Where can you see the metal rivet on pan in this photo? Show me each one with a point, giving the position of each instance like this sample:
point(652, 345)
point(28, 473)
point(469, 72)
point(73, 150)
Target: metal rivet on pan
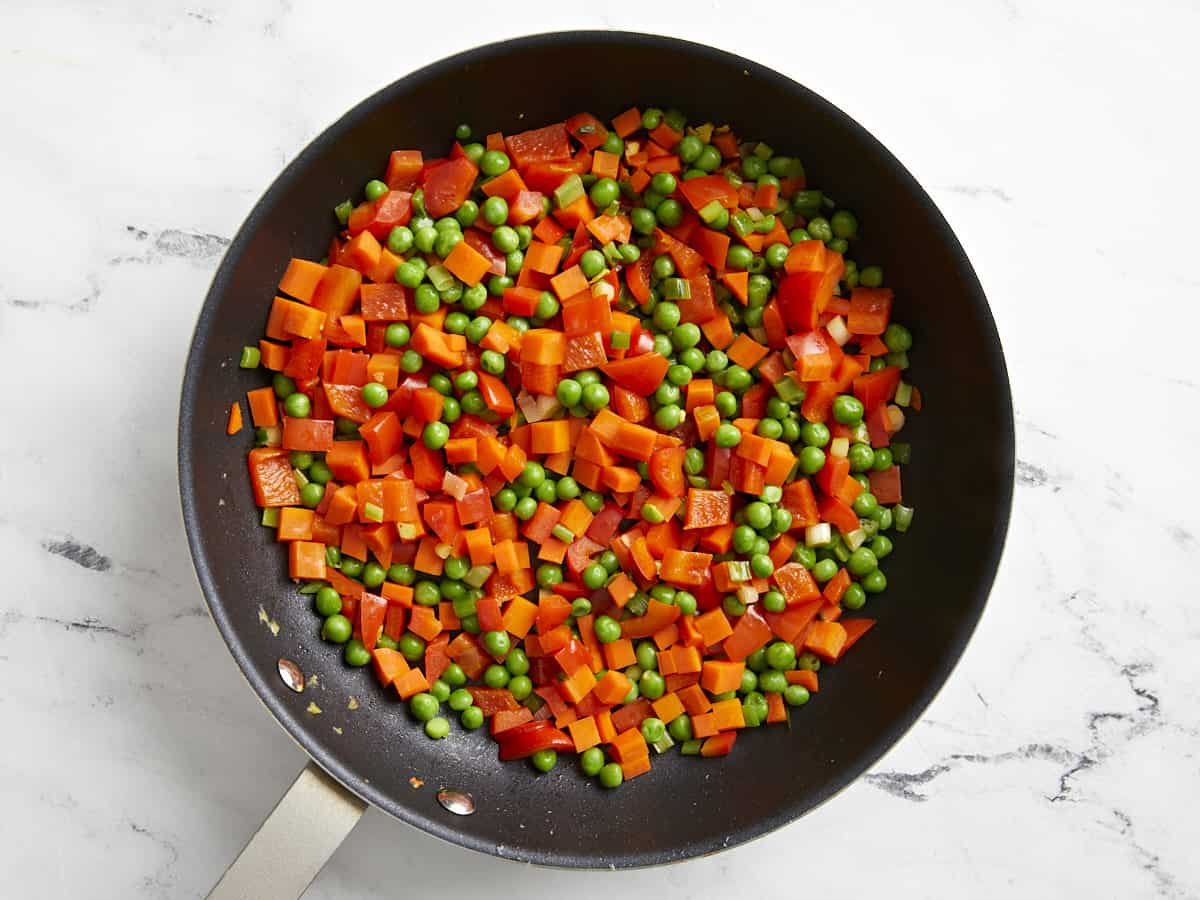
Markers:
point(291, 675)
point(458, 802)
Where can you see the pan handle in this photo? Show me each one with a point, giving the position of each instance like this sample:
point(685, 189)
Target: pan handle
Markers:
point(299, 836)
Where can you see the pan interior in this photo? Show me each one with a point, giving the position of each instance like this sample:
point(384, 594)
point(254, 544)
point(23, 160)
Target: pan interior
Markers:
point(686, 806)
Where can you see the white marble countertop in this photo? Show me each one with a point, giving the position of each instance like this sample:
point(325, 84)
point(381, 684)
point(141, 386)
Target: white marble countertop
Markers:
point(1059, 140)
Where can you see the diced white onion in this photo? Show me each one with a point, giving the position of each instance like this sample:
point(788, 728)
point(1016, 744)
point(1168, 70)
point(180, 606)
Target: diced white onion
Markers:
point(895, 417)
point(454, 486)
point(274, 437)
point(818, 535)
point(838, 331)
point(903, 394)
point(839, 446)
point(755, 213)
point(537, 408)
point(443, 551)
point(478, 575)
point(855, 539)
point(631, 148)
point(759, 334)
point(861, 434)
point(747, 594)
point(407, 531)
point(603, 289)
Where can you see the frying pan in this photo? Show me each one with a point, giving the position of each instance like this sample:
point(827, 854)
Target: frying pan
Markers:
point(940, 574)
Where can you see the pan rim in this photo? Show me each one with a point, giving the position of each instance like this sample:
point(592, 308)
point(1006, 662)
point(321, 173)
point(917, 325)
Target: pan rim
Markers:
point(300, 733)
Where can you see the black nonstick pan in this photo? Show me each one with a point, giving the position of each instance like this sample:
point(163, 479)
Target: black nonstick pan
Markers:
point(960, 480)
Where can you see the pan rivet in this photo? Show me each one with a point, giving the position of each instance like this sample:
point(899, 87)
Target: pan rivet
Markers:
point(458, 802)
point(291, 675)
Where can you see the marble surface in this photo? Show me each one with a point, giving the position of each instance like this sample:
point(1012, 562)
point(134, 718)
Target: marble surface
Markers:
point(1059, 141)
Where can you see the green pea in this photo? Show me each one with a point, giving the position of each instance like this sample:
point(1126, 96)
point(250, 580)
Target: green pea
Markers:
point(757, 661)
point(604, 193)
point(761, 565)
point(495, 211)
point(692, 358)
point(825, 570)
point(669, 213)
point(494, 162)
point(733, 606)
point(643, 220)
point(861, 562)
point(865, 504)
point(737, 378)
point(591, 761)
point(549, 575)
point(820, 228)
point(861, 457)
point(319, 472)
point(854, 597)
point(592, 263)
point(312, 494)
point(808, 661)
point(373, 575)
point(328, 602)
point(611, 775)
point(680, 728)
point(795, 695)
point(607, 629)
point(772, 681)
point(471, 718)
point(812, 460)
point(773, 601)
point(525, 508)
point(669, 417)
point(769, 428)
point(758, 515)
point(709, 159)
point(424, 706)
point(776, 255)
point(496, 676)
point(411, 361)
point(871, 276)
point(727, 435)
point(435, 435)
point(881, 546)
point(781, 655)
point(727, 406)
point(595, 397)
point(898, 338)
point(497, 643)
point(473, 298)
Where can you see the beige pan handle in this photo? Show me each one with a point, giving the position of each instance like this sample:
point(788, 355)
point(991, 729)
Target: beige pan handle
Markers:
point(299, 836)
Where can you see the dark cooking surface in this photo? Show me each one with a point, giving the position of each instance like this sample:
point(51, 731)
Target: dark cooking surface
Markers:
point(940, 573)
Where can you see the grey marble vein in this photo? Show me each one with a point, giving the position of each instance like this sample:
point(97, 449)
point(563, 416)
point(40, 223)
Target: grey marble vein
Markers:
point(81, 554)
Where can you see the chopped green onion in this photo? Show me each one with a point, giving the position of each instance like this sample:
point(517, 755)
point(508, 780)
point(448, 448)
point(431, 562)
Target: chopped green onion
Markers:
point(343, 210)
point(897, 359)
point(477, 576)
point(569, 191)
point(619, 340)
point(663, 744)
point(333, 557)
point(439, 276)
point(855, 539)
point(903, 517)
point(638, 604)
point(373, 511)
point(711, 211)
point(739, 570)
point(676, 289)
point(789, 390)
point(563, 533)
point(698, 481)
point(612, 253)
point(251, 357)
point(270, 517)
point(763, 151)
point(901, 453)
point(311, 587)
point(904, 394)
point(690, 748)
point(742, 224)
point(301, 478)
